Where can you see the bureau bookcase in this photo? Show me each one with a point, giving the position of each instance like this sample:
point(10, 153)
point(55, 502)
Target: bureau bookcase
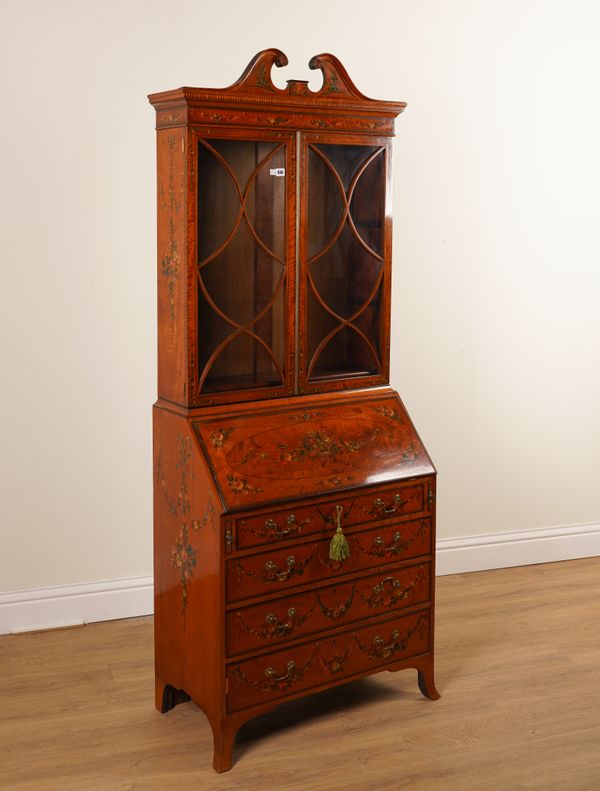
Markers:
point(294, 502)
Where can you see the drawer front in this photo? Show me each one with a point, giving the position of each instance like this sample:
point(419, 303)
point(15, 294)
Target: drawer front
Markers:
point(313, 519)
point(273, 622)
point(291, 670)
point(282, 569)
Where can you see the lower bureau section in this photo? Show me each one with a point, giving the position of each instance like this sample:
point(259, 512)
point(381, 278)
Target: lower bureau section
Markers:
point(322, 661)
point(264, 625)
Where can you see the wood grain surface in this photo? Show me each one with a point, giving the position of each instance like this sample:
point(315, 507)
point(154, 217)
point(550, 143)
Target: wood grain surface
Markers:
point(517, 663)
point(286, 453)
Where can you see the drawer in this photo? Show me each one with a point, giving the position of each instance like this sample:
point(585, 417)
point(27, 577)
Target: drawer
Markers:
point(326, 660)
point(317, 518)
point(275, 621)
point(281, 569)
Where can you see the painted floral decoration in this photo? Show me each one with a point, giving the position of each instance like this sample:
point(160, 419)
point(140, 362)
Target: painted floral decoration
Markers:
point(183, 554)
point(386, 411)
point(241, 485)
point(316, 444)
point(219, 436)
point(411, 453)
point(183, 557)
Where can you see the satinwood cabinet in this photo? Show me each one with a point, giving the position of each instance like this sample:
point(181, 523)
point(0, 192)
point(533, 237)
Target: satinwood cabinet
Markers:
point(294, 501)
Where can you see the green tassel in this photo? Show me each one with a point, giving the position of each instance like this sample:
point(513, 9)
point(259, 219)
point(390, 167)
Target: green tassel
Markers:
point(338, 548)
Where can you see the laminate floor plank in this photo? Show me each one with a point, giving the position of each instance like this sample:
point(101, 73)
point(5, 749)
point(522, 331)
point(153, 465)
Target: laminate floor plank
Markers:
point(518, 667)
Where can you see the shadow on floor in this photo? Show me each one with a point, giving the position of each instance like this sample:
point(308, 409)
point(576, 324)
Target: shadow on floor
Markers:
point(293, 714)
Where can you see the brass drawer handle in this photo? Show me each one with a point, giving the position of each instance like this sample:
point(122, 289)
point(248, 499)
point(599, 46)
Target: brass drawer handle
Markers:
point(272, 573)
point(273, 628)
point(389, 591)
point(272, 529)
point(396, 546)
point(399, 544)
point(272, 680)
point(393, 582)
point(279, 629)
point(379, 506)
point(380, 648)
point(271, 618)
point(275, 531)
point(271, 673)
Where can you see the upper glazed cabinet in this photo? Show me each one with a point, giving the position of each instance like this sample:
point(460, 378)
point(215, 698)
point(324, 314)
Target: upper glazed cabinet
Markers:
point(275, 239)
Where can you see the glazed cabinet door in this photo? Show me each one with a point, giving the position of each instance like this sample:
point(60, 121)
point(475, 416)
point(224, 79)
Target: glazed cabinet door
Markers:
point(244, 213)
point(345, 250)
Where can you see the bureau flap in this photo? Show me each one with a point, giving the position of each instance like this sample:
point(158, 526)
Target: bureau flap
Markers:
point(280, 453)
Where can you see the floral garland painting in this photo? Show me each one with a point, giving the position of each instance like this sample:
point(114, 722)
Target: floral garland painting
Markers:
point(183, 555)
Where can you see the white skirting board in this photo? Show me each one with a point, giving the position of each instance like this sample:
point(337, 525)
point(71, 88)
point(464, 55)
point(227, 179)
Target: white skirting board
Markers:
point(521, 548)
point(70, 605)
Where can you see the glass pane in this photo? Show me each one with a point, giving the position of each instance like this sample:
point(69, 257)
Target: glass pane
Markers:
point(232, 372)
point(241, 263)
point(268, 327)
point(346, 159)
point(369, 320)
point(242, 278)
point(325, 204)
point(265, 205)
point(367, 204)
point(319, 325)
point(213, 329)
point(346, 273)
point(242, 156)
point(218, 203)
point(346, 354)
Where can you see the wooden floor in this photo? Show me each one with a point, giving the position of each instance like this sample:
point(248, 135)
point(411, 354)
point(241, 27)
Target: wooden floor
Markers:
point(518, 668)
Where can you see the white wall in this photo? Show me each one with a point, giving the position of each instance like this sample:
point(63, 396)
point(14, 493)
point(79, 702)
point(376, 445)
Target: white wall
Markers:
point(497, 253)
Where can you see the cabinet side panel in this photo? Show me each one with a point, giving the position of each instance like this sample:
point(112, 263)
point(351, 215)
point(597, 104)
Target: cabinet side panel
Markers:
point(187, 596)
point(172, 271)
